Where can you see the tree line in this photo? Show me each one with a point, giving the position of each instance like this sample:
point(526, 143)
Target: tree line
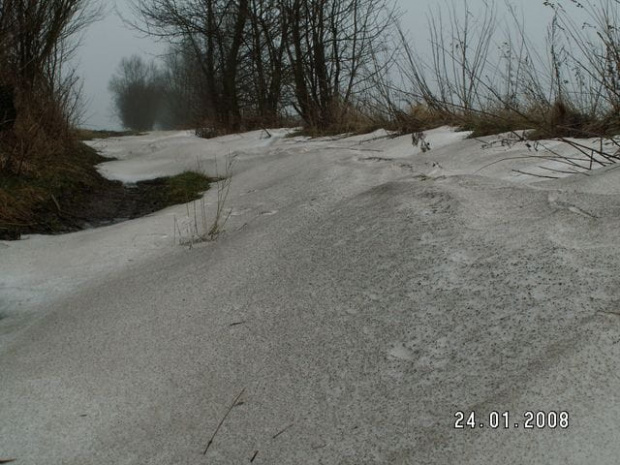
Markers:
point(241, 64)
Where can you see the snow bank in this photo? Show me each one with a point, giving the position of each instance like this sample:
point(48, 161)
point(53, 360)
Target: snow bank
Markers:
point(363, 294)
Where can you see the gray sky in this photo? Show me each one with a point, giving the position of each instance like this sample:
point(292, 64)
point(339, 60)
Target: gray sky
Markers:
point(109, 40)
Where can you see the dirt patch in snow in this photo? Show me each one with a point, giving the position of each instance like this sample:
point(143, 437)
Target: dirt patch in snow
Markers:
point(101, 204)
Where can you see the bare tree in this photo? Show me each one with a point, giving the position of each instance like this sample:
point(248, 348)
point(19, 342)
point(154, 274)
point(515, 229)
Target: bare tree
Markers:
point(36, 40)
point(35, 35)
point(258, 57)
point(215, 31)
point(332, 48)
point(265, 62)
point(138, 92)
point(184, 90)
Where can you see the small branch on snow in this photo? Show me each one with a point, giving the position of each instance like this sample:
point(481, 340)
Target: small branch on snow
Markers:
point(282, 431)
point(232, 406)
point(535, 175)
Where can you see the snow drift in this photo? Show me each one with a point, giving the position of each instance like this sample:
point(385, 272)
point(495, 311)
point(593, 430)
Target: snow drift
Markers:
point(364, 293)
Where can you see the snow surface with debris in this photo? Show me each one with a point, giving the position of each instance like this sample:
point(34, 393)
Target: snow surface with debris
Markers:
point(362, 294)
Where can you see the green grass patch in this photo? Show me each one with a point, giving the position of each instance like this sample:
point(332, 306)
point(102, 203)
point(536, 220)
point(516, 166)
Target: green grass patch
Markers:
point(65, 192)
point(182, 188)
point(186, 187)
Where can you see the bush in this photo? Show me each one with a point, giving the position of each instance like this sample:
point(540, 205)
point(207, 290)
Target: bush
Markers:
point(138, 93)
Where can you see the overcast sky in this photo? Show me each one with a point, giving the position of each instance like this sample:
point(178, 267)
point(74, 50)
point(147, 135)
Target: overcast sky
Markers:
point(109, 40)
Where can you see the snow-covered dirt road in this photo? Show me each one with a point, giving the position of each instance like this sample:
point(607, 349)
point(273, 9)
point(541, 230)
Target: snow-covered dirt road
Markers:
point(362, 295)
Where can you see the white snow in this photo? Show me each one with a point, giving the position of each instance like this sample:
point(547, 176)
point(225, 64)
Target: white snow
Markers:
point(363, 292)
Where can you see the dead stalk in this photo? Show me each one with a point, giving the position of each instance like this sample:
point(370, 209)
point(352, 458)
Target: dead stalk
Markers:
point(223, 188)
point(232, 406)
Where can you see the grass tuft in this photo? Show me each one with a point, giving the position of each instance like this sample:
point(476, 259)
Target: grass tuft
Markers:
point(185, 187)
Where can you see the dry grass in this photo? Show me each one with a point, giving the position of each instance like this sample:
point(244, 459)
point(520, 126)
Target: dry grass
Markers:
point(199, 225)
point(485, 75)
point(41, 165)
point(46, 178)
point(346, 119)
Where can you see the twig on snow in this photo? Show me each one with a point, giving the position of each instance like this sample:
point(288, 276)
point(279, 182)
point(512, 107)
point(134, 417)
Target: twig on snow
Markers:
point(282, 431)
point(232, 406)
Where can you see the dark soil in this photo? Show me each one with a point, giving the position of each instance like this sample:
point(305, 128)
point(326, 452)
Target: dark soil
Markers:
point(88, 200)
point(113, 202)
point(107, 203)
